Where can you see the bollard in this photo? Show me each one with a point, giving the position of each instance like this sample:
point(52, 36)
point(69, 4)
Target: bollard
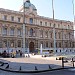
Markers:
point(73, 62)
point(62, 62)
point(36, 68)
point(2, 64)
point(49, 67)
point(20, 68)
point(7, 66)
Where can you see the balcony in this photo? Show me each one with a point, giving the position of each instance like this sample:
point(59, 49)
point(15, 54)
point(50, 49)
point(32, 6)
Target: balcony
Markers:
point(31, 36)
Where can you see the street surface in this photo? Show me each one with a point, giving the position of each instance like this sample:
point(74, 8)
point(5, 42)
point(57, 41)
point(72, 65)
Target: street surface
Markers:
point(60, 72)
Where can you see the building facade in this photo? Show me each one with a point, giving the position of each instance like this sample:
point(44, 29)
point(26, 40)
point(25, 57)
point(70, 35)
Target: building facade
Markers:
point(38, 30)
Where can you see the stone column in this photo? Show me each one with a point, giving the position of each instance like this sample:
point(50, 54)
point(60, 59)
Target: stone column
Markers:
point(8, 31)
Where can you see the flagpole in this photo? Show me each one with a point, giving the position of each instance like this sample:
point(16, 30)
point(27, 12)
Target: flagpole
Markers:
point(73, 18)
point(53, 27)
point(73, 6)
point(24, 25)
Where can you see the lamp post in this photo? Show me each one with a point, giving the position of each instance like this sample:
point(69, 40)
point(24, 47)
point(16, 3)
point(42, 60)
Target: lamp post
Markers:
point(24, 25)
point(53, 27)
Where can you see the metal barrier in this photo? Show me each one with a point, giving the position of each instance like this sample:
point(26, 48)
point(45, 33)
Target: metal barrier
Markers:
point(67, 60)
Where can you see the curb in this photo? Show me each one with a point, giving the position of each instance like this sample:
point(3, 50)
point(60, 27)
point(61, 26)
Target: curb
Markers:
point(34, 71)
point(38, 71)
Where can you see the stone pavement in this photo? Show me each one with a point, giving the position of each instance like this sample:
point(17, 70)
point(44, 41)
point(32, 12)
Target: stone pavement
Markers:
point(32, 63)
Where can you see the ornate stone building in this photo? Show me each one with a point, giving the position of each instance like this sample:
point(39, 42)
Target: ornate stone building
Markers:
point(39, 30)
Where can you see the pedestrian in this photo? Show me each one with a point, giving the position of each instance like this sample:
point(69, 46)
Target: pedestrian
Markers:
point(20, 53)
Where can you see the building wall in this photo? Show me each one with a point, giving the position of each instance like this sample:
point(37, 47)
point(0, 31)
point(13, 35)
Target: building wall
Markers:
point(39, 31)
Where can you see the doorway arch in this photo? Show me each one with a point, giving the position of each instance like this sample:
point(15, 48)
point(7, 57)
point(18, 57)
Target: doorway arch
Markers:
point(31, 47)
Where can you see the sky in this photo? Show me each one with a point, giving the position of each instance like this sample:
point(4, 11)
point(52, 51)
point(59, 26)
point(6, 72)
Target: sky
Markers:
point(63, 9)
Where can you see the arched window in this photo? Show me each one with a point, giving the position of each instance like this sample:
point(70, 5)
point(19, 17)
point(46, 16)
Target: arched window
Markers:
point(31, 32)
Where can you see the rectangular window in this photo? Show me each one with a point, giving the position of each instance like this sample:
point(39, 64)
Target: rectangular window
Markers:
point(66, 44)
point(12, 43)
point(31, 20)
point(19, 32)
point(51, 44)
point(46, 44)
point(56, 44)
point(58, 25)
point(0, 44)
point(68, 27)
point(59, 35)
point(19, 19)
point(54, 25)
point(19, 43)
point(5, 17)
point(56, 35)
point(50, 24)
point(51, 35)
point(12, 31)
point(5, 43)
point(70, 44)
point(45, 23)
point(4, 31)
point(59, 44)
point(46, 34)
point(40, 22)
point(12, 18)
point(41, 33)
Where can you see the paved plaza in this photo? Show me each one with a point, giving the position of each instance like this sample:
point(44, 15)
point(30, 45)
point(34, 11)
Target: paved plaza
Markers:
point(28, 64)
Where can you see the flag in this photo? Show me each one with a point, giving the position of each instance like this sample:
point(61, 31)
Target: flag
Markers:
point(21, 8)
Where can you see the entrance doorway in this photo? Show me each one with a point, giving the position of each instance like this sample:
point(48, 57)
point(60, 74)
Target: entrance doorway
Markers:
point(31, 47)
